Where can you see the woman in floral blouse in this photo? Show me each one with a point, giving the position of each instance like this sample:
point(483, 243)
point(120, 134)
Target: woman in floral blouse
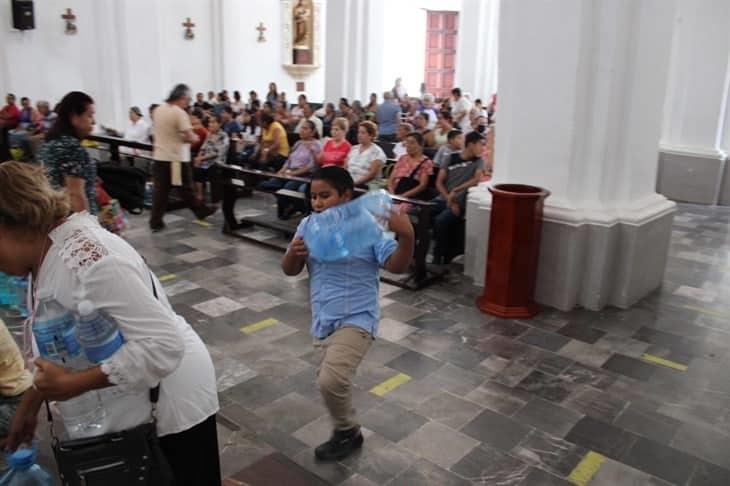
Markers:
point(69, 165)
point(214, 151)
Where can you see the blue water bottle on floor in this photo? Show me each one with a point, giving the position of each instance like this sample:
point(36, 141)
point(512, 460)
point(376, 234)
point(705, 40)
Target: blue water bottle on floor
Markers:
point(24, 471)
point(346, 229)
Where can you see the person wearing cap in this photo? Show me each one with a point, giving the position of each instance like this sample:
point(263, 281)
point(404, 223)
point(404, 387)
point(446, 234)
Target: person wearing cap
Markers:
point(138, 130)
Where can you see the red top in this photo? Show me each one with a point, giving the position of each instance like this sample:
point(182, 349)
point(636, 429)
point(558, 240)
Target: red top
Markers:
point(202, 133)
point(333, 154)
point(10, 116)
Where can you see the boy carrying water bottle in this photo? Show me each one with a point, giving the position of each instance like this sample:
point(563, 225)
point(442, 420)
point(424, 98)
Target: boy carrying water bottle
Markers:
point(345, 307)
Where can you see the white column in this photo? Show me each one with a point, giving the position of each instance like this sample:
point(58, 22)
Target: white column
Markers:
point(478, 43)
point(695, 136)
point(580, 114)
point(354, 48)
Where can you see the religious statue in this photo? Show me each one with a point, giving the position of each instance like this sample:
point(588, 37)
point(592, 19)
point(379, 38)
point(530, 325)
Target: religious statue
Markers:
point(302, 24)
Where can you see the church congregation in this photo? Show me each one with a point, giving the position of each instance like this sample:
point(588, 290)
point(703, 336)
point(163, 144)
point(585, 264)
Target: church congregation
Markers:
point(283, 242)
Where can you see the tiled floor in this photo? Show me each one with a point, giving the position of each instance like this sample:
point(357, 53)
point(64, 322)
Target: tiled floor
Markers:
point(620, 397)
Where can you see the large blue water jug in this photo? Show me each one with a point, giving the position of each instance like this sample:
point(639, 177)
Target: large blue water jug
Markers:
point(349, 228)
point(97, 333)
point(24, 471)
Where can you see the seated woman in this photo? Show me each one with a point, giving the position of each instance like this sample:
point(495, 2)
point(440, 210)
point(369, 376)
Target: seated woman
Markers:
point(282, 114)
point(214, 151)
point(372, 106)
point(411, 173)
point(366, 159)
point(301, 163)
point(250, 133)
point(274, 146)
point(138, 130)
point(73, 256)
point(329, 115)
point(420, 125)
point(399, 149)
point(336, 149)
point(439, 135)
point(198, 119)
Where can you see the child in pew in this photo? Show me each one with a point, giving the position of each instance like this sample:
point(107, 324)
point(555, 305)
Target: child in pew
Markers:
point(345, 308)
point(301, 162)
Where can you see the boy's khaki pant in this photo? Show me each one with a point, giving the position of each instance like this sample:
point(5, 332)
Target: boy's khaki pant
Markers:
point(340, 354)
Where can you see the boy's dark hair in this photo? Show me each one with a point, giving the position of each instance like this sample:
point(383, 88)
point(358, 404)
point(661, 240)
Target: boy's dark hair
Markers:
point(336, 177)
point(472, 137)
point(453, 134)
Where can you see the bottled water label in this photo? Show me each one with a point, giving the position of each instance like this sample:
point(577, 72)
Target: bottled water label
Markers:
point(96, 353)
point(56, 338)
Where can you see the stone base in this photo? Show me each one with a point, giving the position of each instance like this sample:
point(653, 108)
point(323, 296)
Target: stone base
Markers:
point(693, 176)
point(586, 260)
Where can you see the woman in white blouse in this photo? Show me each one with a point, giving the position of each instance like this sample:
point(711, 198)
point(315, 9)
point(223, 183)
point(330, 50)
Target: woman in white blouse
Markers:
point(365, 159)
point(73, 256)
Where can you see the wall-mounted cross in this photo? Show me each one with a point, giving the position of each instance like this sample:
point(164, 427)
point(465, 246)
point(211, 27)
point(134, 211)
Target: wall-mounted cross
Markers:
point(69, 17)
point(189, 34)
point(261, 30)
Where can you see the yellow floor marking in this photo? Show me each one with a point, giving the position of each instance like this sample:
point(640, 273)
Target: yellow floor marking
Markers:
point(650, 358)
point(586, 469)
point(707, 311)
point(390, 384)
point(167, 277)
point(257, 326)
point(202, 223)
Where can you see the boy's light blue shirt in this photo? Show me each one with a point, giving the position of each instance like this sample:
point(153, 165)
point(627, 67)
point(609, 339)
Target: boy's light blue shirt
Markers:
point(346, 292)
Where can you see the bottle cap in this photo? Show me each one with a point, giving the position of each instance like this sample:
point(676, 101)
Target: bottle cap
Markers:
point(22, 458)
point(85, 308)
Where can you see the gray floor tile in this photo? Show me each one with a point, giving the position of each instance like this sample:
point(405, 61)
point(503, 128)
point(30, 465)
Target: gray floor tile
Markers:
point(414, 364)
point(496, 430)
point(392, 421)
point(449, 410)
point(486, 465)
point(424, 473)
point(548, 417)
point(549, 453)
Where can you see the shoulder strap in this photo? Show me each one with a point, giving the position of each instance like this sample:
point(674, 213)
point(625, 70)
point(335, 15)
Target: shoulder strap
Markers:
point(418, 167)
point(154, 392)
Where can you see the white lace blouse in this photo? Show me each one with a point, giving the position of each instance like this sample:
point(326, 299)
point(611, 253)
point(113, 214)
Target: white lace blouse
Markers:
point(159, 345)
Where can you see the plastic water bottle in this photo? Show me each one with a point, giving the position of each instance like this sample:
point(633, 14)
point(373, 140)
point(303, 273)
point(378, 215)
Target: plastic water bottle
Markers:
point(24, 471)
point(20, 290)
point(55, 334)
point(5, 293)
point(98, 334)
point(346, 229)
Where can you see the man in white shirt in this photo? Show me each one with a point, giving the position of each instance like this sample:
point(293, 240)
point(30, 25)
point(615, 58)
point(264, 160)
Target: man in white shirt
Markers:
point(308, 114)
point(460, 109)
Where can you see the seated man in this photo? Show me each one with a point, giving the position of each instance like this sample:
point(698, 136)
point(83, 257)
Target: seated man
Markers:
point(460, 172)
point(15, 379)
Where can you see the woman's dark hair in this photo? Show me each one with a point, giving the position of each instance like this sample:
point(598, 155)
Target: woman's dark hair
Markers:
point(74, 103)
point(417, 137)
point(337, 177)
point(266, 119)
point(252, 120)
point(312, 127)
point(269, 105)
point(237, 95)
point(446, 115)
point(343, 101)
point(453, 134)
point(179, 91)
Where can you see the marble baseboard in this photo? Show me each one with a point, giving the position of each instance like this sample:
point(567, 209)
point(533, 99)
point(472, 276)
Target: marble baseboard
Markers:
point(584, 265)
point(694, 178)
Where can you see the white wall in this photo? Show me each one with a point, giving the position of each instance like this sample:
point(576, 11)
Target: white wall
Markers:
point(478, 46)
point(405, 36)
point(132, 52)
point(252, 65)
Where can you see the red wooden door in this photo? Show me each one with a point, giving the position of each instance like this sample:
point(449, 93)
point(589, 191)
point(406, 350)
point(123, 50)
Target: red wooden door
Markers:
point(441, 31)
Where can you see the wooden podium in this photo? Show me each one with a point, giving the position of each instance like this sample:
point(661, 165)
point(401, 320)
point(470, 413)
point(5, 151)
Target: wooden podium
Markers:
point(514, 245)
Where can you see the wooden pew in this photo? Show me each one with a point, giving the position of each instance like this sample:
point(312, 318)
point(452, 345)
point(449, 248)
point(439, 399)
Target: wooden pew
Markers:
point(238, 182)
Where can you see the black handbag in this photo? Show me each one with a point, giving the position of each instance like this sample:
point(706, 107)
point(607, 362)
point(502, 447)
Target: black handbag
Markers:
point(409, 182)
point(126, 458)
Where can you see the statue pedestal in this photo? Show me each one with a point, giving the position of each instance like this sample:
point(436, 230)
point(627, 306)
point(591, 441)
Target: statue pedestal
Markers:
point(303, 56)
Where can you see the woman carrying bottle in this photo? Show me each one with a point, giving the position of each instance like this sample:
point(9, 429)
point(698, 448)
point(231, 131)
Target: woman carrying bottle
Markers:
point(74, 256)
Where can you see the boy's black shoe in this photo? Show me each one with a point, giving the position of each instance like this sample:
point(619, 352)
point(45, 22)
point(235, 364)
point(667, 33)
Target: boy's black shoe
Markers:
point(341, 444)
